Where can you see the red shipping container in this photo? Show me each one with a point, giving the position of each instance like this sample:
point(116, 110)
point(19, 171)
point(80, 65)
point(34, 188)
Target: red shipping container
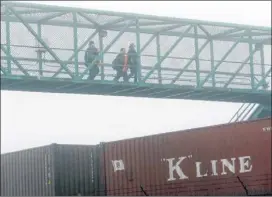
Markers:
point(219, 160)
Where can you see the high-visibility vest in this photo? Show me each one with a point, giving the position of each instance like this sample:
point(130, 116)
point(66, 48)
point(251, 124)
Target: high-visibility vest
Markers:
point(125, 66)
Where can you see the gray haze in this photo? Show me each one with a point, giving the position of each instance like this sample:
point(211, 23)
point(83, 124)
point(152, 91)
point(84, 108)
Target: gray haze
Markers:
point(34, 119)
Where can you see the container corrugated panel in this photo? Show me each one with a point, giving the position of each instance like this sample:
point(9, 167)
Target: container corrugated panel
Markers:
point(55, 170)
point(216, 160)
point(27, 173)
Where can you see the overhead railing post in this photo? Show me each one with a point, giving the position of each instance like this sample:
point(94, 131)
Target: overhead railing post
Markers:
point(212, 64)
point(197, 57)
point(138, 45)
point(159, 57)
point(101, 47)
point(75, 43)
point(262, 63)
point(8, 42)
point(251, 63)
point(39, 52)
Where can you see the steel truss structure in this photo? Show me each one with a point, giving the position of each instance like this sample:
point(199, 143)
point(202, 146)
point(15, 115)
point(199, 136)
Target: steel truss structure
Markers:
point(42, 49)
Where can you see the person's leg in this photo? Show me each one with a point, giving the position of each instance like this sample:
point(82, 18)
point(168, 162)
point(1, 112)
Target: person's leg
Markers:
point(96, 70)
point(93, 72)
point(118, 74)
point(135, 76)
point(131, 74)
point(89, 71)
point(125, 77)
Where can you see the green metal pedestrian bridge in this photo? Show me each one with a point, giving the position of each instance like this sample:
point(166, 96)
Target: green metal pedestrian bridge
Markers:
point(42, 50)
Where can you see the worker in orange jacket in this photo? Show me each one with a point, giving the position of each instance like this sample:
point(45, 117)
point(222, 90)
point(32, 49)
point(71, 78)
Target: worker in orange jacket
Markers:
point(120, 64)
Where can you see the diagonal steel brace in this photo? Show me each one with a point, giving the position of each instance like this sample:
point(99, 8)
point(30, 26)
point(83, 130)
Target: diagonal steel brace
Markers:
point(167, 53)
point(15, 61)
point(189, 63)
point(262, 80)
point(148, 42)
point(4, 71)
point(220, 62)
point(41, 41)
point(239, 69)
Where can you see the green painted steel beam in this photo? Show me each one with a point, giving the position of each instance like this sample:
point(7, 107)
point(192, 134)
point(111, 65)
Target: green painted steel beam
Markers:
point(239, 69)
point(144, 67)
point(251, 64)
point(4, 71)
point(52, 16)
point(204, 30)
point(189, 63)
point(148, 42)
point(101, 48)
point(219, 63)
point(158, 23)
point(89, 19)
point(166, 54)
point(158, 46)
point(114, 22)
point(117, 37)
point(41, 41)
point(212, 65)
point(261, 82)
point(172, 27)
point(262, 63)
point(142, 30)
point(227, 32)
point(248, 110)
point(139, 51)
point(256, 112)
point(8, 43)
point(39, 31)
point(75, 36)
point(33, 60)
point(15, 61)
point(250, 34)
point(84, 44)
point(51, 8)
point(30, 12)
point(197, 58)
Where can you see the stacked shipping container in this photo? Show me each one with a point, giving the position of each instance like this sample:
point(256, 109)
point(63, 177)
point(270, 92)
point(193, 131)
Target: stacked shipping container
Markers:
point(203, 161)
point(54, 170)
point(216, 160)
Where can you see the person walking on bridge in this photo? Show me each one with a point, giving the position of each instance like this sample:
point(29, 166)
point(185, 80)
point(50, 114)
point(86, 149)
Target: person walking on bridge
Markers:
point(90, 58)
point(120, 64)
point(132, 62)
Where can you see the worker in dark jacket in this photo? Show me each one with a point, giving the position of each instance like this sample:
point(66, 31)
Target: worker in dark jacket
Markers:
point(120, 64)
point(132, 62)
point(91, 58)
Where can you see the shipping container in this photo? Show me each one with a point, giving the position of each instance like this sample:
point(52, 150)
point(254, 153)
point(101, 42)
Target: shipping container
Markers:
point(230, 159)
point(54, 170)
